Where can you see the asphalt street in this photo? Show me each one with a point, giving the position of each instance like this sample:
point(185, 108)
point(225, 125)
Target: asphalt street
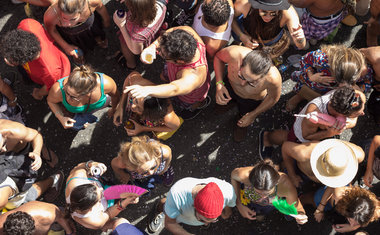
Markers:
point(202, 147)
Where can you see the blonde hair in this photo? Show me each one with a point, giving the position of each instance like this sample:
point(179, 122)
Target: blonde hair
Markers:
point(345, 63)
point(71, 6)
point(140, 150)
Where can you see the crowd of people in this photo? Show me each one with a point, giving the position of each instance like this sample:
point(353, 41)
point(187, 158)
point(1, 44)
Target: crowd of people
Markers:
point(244, 41)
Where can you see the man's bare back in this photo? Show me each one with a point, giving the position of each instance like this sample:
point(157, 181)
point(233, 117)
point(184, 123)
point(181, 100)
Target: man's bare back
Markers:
point(320, 8)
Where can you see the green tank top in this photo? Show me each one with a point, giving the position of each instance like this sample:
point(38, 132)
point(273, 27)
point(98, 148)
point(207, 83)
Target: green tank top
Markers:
point(81, 109)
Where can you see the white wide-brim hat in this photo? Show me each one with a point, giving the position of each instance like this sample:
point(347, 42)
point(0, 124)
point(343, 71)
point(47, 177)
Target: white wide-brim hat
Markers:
point(334, 163)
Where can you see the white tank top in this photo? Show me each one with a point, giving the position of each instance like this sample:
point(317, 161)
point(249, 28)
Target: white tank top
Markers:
point(321, 103)
point(204, 32)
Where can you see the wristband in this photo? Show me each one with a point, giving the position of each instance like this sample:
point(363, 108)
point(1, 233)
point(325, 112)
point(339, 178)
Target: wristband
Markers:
point(119, 206)
point(220, 82)
point(322, 204)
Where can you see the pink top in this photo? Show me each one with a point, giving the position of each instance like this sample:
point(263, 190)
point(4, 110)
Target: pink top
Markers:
point(200, 93)
point(147, 34)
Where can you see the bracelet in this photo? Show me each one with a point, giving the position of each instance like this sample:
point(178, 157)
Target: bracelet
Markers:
point(13, 101)
point(87, 166)
point(119, 206)
point(322, 204)
point(220, 82)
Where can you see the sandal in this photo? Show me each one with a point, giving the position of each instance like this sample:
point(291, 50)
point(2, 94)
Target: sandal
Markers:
point(123, 62)
point(54, 191)
point(49, 156)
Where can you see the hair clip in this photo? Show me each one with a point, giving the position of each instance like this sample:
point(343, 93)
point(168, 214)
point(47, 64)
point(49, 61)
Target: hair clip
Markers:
point(355, 100)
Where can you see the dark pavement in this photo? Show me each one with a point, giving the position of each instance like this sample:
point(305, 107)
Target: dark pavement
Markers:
point(202, 147)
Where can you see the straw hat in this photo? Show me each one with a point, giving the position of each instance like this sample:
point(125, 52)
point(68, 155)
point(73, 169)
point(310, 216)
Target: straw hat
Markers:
point(270, 5)
point(333, 163)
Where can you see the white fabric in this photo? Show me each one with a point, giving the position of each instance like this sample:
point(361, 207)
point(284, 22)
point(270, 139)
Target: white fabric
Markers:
point(204, 32)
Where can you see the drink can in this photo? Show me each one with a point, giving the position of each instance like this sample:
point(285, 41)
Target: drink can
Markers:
point(120, 13)
point(129, 125)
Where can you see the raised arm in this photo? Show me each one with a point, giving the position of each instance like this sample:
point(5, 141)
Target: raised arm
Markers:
point(102, 10)
point(294, 27)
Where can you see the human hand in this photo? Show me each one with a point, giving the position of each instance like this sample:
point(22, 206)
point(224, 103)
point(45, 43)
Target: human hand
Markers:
point(148, 55)
point(36, 94)
point(120, 22)
point(331, 131)
point(301, 219)
point(246, 120)
point(137, 129)
point(298, 34)
point(295, 179)
point(318, 216)
point(71, 51)
point(370, 21)
point(246, 212)
point(368, 177)
point(321, 78)
point(67, 122)
point(99, 165)
point(137, 91)
point(248, 41)
point(343, 228)
point(36, 164)
point(132, 199)
point(222, 96)
point(118, 116)
point(12, 103)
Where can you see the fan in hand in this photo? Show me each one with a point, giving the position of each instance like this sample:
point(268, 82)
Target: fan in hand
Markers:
point(123, 191)
point(282, 206)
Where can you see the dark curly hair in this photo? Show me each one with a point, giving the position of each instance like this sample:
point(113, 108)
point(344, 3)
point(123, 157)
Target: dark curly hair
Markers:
point(346, 100)
point(216, 12)
point(19, 46)
point(259, 62)
point(19, 223)
point(179, 45)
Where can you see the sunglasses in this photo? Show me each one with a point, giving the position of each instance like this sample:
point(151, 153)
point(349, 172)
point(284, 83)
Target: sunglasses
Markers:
point(270, 13)
point(252, 84)
point(76, 98)
point(151, 169)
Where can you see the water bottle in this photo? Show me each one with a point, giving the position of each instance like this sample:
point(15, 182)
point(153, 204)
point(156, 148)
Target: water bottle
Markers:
point(120, 13)
point(79, 52)
point(96, 171)
point(283, 67)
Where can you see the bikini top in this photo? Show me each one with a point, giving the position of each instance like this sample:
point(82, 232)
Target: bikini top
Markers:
point(84, 108)
point(250, 193)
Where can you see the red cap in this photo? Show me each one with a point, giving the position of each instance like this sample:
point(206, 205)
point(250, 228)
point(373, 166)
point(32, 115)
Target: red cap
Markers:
point(209, 201)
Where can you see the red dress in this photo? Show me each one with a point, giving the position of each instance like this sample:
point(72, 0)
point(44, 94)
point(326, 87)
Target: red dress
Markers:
point(52, 63)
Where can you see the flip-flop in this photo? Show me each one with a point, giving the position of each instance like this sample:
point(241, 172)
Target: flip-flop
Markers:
point(53, 192)
point(49, 156)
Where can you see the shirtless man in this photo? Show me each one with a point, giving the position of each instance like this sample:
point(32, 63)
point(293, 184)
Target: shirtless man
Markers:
point(21, 145)
point(320, 17)
point(302, 152)
point(253, 82)
point(187, 71)
point(373, 28)
point(33, 218)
